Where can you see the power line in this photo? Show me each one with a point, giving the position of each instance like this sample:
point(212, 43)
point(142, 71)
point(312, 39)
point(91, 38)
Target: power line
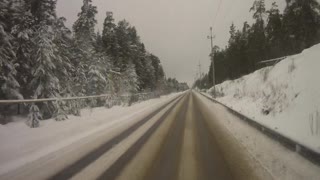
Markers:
point(212, 62)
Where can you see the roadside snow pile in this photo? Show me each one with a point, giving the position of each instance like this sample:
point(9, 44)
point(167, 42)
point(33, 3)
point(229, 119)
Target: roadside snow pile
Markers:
point(285, 97)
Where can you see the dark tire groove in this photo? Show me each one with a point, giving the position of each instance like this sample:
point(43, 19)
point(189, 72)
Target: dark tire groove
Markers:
point(83, 162)
point(212, 163)
point(116, 168)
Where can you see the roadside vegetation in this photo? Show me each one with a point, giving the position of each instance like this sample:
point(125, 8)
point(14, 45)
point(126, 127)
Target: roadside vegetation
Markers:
point(41, 58)
point(273, 34)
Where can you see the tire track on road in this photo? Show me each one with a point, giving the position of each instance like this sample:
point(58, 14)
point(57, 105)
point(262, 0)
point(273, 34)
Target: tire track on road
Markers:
point(114, 171)
point(240, 162)
point(166, 164)
point(210, 157)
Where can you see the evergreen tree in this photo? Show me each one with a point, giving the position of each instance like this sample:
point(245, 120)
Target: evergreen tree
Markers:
point(97, 75)
point(23, 32)
point(109, 35)
point(274, 32)
point(84, 26)
point(297, 29)
point(301, 21)
point(257, 38)
point(148, 78)
point(129, 80)
point(40, 58)
point(246, 65)
point(123, 44)
point(44, 11)
point(47, 63)
point(8, 83)
point(45, 81)
point(84, 36)
point(99, 43)
point(63, 40)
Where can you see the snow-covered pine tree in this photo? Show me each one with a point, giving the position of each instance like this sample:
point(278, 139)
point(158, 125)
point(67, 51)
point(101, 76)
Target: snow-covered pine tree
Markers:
point(84, 26)
point(97, 81)
point(9, 86)
point(23, 31)
point(95, 61)
point(137, 54)
point(123, 45)
point(78, 77)
point(129, 83)
point(47, 66)
point(34, 116)
point(63, 39)
point(45, 81)
point(8, 83)
point(129, 80)
point(158, 71)
point(149, 73)
point(99, 43)
point(103, 59)
point(109, 37)
point(84, 37)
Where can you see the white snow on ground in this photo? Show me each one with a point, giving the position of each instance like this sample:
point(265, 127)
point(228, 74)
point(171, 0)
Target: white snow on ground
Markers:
point(285, 97)
point(281, 163)
point(21, 144)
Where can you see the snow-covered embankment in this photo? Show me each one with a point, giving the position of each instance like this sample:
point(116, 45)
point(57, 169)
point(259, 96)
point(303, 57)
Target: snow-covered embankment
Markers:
point(284, 97)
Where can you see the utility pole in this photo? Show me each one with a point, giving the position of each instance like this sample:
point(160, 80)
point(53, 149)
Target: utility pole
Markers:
point(213, 71)
point(199, 74)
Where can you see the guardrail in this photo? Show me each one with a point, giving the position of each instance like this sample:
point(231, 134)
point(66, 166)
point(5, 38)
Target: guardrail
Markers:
point(276, 60)
point(291, 144)
point(50, 99)
point(14, 107)
point(71, 98)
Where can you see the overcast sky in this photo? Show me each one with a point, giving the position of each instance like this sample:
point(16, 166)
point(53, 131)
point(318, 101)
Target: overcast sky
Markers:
point(174, 30)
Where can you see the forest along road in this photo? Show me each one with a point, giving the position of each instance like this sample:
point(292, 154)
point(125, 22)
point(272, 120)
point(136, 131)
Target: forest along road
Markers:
point(180, 140)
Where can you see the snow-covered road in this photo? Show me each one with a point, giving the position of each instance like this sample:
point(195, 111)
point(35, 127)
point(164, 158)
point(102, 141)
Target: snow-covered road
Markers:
point(181, 136)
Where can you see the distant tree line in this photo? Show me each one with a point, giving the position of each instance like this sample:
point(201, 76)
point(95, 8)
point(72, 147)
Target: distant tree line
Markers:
point(174, 85)
point(272, 35)
point(41, 58)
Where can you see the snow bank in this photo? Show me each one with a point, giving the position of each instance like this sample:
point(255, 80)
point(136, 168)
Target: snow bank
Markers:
point(285, 97)
point(21, 144)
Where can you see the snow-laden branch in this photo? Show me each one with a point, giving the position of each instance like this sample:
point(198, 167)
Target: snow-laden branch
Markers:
point(115, 72)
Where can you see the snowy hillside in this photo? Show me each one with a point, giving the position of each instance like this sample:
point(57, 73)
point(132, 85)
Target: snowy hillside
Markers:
point(284, 97)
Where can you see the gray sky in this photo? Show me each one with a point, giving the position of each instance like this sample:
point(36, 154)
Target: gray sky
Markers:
point(174, 30)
